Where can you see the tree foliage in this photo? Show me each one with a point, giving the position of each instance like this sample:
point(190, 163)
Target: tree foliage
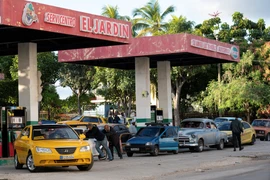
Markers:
point(79, 78)
point(150, 20)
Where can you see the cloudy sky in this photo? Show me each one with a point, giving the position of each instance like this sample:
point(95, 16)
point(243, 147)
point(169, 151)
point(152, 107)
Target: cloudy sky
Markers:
point(193, 10)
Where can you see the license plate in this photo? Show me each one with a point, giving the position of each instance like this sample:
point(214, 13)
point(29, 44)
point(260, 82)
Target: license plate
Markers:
point(67, 157)
point(134, 149)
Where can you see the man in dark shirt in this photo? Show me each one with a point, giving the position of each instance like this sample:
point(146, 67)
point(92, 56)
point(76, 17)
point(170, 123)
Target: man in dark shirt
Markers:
point(113, 139)
point(237, 129)
point(94, 132)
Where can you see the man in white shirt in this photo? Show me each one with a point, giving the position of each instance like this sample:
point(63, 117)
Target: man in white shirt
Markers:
point(133, 128)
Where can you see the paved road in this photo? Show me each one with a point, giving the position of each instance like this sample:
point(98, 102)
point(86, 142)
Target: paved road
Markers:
point(164, 166)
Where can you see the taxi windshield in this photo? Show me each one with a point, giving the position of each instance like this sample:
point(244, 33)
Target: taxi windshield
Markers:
point(53, 132)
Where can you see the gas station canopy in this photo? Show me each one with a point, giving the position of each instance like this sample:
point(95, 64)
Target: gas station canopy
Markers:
point(179, 49)
point(54, 28)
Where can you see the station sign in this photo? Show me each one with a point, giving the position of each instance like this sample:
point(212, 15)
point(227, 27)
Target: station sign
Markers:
point(41, 17)
point(232, 51)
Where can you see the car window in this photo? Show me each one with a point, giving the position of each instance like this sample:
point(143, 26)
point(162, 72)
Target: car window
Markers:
point(149, 132)
point(90, 119)
point(208, 125)
point(170, 132)
point(192, 124)
point(54, 132)
point(116, 128)
point(25, 132)
point(121, 127)
point(262, 123)
point(213, 125)
point(76, 118)
point(219, 120)
point(99, 120)
point(245, 125)
point(225, 127)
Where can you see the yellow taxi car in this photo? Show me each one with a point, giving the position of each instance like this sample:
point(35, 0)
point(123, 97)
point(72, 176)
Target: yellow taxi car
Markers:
point(83, 120)
point(248, 137)
point(51, 145)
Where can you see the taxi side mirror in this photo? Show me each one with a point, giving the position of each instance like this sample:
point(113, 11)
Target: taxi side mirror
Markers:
point(82, 136)
point(25, 138)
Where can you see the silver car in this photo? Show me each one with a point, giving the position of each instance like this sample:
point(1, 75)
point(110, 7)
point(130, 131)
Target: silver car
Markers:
point(197, 133)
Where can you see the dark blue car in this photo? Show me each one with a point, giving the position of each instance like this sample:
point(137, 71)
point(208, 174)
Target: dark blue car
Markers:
point(153, 139)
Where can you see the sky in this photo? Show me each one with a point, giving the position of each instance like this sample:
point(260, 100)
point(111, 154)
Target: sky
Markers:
point(193, 10)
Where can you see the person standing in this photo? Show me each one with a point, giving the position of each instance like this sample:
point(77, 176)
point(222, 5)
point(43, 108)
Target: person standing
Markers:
point(237, 129)
point(132, 128)
point(94, 132)
point(113, 139)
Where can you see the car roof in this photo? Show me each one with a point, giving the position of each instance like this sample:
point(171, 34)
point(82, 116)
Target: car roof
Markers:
point(49, 125)
point(262, 119)
point(227, 118)
point(198, 119)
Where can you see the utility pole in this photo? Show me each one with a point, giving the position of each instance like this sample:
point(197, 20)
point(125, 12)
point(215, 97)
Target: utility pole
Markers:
point(214, 15)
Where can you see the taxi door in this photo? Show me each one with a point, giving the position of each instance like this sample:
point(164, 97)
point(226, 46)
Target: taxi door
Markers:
point(247, 135)
point(21, 145)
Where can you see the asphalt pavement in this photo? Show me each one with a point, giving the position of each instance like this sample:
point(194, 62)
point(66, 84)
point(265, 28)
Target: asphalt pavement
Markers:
point(192, 165)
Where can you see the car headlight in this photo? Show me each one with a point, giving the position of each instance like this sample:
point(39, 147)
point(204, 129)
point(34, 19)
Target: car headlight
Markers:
point(85, 148)
point(127, 144)
point(43, 150)
point(149, 144)
point(193, 136)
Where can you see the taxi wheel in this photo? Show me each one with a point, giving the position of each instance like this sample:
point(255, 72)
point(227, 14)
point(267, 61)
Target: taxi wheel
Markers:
point(17, 164)
point(30, 163)
point(253, 140)
point(87, 167)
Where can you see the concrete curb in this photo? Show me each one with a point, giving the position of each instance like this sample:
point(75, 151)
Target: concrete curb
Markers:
point(6, 161)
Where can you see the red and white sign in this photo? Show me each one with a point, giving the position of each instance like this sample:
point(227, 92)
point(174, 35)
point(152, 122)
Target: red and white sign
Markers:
point(60, 19)
point(210, 47)
point(42, 17)
point(99, 26)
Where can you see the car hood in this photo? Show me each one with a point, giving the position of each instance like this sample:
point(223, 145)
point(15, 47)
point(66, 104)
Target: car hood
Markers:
point(140, 140)
point(229, 133)
point(261, 128)
point(60, 143)
point(189, 131)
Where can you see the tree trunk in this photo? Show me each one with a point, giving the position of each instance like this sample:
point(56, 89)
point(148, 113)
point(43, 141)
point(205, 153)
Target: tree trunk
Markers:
point(176, 106)
point(79, 104)
point(49, 114)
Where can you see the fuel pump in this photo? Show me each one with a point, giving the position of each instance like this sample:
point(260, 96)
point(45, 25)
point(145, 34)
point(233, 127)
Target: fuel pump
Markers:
point(13, 120)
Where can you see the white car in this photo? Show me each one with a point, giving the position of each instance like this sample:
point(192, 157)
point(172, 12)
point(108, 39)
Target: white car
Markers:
point(92, 142)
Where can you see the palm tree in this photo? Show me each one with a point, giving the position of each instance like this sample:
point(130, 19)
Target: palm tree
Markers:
point(150, 20)
point(112, 12)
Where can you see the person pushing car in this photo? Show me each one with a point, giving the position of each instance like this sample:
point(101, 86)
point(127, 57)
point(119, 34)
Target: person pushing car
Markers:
point(113, 139)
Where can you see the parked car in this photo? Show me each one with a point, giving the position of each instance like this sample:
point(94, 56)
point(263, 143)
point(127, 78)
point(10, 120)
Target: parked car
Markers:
point(153, 139)
point(248, 137)
point(83, 120)
point(197, 133)
point(51, 145)
point(219, 120)
point(262, 128)
point(92, 142)
point(122, 131)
